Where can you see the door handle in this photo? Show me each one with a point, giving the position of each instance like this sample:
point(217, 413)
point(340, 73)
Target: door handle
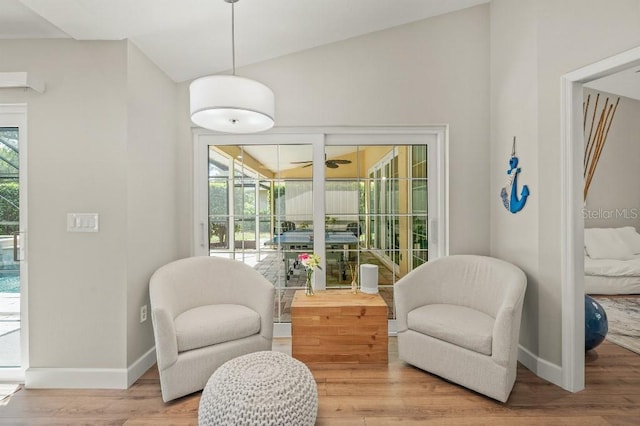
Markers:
point(15, 246)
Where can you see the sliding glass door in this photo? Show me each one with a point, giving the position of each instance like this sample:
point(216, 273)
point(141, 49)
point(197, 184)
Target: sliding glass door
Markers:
point(369, 196)
point(13, 333)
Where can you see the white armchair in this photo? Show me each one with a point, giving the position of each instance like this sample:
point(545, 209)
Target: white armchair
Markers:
point(206, 311)
point(459, 318)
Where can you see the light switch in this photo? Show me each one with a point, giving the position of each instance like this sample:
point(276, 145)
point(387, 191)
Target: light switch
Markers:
point(82, 222)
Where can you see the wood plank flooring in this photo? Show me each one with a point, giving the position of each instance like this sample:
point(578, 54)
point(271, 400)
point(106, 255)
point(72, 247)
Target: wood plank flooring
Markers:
point(368, 395)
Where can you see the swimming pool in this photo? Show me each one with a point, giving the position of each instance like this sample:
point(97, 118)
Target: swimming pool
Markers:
point(9, 283)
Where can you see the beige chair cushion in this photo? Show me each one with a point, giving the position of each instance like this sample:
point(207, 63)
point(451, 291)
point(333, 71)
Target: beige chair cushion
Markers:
point(212, 324)
point(457, 325)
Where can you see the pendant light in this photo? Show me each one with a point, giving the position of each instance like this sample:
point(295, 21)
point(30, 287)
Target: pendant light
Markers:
point(229, 103)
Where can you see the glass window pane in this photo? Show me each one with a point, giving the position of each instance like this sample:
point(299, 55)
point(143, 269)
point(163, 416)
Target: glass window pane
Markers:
point(257, 194)
point(218, 164)
point(376, 211)
point(9, 188)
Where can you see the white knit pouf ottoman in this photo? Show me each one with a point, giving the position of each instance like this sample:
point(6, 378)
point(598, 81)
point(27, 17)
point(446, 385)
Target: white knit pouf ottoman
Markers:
point(261, 388)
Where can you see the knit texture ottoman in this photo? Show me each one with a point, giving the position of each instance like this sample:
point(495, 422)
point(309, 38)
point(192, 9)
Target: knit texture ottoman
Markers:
point(261, 388)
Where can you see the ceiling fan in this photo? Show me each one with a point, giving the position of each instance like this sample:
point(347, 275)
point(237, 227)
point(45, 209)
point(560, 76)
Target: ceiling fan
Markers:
point(332, 164)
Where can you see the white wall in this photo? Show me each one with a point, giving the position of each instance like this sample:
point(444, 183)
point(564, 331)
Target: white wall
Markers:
point(96, 144)
point(514, 102)
point(152, 187)
point(77, 163)
point(429, 72)
point(184, 178)
point(614, 195)
point(554, 38)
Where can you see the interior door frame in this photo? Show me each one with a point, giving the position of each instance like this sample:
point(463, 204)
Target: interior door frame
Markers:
point(572, 225)
point(15, 115)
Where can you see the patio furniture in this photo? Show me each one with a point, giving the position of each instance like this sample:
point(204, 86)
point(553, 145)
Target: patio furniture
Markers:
point(287, 226)
point(260, 389)
point(292, 243)
point(206, 311)
point(355, 229)
point(459, 317)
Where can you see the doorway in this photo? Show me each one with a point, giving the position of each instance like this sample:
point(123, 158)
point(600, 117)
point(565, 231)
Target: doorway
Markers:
point(572, 157)
point(13, 286)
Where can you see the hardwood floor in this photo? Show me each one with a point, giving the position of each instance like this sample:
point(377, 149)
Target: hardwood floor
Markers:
point(363, 395)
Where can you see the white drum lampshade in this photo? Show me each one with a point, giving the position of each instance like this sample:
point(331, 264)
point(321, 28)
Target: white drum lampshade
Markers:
point(231, 104)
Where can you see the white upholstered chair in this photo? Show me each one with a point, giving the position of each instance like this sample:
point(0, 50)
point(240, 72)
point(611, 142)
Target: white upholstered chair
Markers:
point(206, 311)
point(459, 318)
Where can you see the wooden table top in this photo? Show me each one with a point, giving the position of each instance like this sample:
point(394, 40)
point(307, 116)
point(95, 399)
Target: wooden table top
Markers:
point(337, 298)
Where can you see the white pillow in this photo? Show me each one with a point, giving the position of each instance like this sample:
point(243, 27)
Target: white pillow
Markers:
point(606, 243)
point(631, 238)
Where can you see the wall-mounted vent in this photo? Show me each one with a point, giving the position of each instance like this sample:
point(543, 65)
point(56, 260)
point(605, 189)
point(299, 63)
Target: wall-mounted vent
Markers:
point(21, 79)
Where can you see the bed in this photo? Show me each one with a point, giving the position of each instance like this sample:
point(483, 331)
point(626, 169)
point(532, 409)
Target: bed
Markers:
point(612, 261)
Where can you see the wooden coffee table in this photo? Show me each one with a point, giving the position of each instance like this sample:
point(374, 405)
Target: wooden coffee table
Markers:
point(338, 326)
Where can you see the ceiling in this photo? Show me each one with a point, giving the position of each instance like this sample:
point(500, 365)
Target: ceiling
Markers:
point(286, 158)
point(191, 38)
point(624, 83)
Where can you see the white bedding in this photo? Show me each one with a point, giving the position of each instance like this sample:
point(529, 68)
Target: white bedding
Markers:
point(611, 276)
point(612, 267)
point(612, 261)
point(611, 285)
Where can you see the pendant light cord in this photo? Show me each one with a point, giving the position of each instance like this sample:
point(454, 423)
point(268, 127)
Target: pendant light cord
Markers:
point(233, 38)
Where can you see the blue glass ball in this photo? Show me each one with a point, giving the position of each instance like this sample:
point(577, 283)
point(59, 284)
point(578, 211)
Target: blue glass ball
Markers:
point(596, 324)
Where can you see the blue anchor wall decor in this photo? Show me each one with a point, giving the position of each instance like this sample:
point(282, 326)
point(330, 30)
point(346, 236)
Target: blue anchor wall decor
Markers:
point(509, 193)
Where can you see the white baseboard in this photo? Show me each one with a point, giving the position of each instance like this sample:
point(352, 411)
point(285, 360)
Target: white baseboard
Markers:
point(89, 378)
point(540, 367)
point(141, 366)
point(76, 378)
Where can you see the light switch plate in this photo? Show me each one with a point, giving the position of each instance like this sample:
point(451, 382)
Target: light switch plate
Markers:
point(82, 222)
